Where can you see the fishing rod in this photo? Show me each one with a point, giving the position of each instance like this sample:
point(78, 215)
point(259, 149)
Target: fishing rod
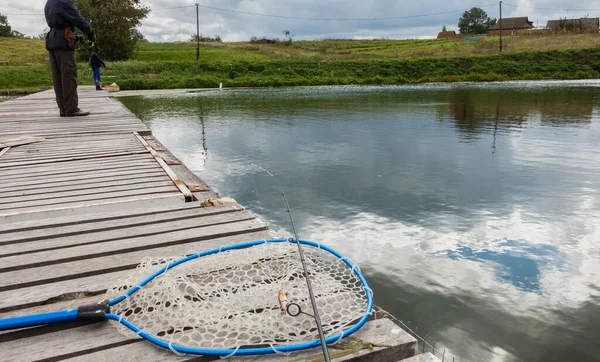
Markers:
point(300, 252)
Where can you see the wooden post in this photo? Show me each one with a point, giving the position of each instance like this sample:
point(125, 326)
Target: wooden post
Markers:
point(500, 26)
point(197, 34)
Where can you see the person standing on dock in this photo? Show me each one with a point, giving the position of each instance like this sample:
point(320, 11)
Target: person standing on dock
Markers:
point(62, 17)
point(96, 63)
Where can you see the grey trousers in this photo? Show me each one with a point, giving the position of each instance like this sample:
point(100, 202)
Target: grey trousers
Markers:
point(64, 77)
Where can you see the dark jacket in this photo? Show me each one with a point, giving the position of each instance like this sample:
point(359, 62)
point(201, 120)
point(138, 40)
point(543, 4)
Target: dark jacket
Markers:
point(95, 61)
point(60, 15)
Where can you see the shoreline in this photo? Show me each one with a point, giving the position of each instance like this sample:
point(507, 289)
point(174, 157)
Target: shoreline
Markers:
point(160, 92)
point(574, 64)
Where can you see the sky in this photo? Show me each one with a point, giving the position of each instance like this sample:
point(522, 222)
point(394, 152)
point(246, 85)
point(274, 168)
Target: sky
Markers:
point(405, 19)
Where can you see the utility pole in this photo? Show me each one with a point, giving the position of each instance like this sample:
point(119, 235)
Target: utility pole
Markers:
point(500, 26)
point(198, 33)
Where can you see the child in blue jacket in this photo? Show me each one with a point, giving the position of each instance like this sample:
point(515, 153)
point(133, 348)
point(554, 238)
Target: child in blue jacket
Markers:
point(96, 63)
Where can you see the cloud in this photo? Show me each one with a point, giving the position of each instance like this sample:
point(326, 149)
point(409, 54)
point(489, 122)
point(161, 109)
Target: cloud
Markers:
point(178, 24)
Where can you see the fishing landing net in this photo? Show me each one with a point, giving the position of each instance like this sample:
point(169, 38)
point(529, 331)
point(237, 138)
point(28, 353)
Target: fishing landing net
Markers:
point(249, 299)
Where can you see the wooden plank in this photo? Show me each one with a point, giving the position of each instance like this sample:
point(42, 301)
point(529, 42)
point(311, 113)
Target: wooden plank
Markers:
point(63, 124)
point(76, 131)
point(83, 178)
point(86, 198)
point(52, 145)
point(43, 194)
point(53, 127)
point(35, 295)
point(118, 260)
point(83, 149)
point(66, 186)
point(3, 151)
point(65, 155)
point(53, 157)
point(55, 144)
point(378, 340)
point(111, 241)
point(23, 232)
point(65, 169)
point(95, 164)
point(17, 141)
point(127, 203)
point(73, 217)
point(180, 184)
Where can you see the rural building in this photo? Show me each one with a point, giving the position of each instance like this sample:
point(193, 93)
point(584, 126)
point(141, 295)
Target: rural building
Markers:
point(448, 35)
point(582, 25)
point(511, 26)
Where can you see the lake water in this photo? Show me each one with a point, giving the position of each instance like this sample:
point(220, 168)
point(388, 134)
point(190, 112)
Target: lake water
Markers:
point(472, 209)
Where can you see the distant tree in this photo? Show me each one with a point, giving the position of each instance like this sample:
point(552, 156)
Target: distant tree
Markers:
point(205, 39)
point(115, 24)
point(444, 28)
point(5, 28)
point(288, 36)
point(475, 21)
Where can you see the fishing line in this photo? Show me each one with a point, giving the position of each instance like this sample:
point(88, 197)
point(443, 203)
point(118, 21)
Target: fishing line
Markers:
point(301, 253)
point(257, 196)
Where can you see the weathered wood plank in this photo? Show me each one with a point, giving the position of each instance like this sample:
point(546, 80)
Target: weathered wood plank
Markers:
point(55, 170)
point(75, 131)
point(66, 155)
point(92, 164)
point(35, 295)
point(31, 158)
point(180, 184)
point(82, 177)
point(66, 186)
point(17, 141)
point(99, 223)
point(75, 217)
point(66, 159)
point(118, 260)
point(108, 188)
point(86, 198)
point(383, 337)
point(111, 242)
point(50, 144)
point(91, 144)
point(126, 203)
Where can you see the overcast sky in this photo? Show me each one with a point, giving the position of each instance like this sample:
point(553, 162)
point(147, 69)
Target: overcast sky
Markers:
point(179, 24)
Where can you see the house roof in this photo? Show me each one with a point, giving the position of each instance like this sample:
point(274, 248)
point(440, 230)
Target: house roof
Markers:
point(446, 34)
point(513, 23)
point(585, 23)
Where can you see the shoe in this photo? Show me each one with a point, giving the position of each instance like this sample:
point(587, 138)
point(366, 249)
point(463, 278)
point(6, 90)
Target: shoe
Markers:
point(79, 113)
point(62, 114)
point(99, 88)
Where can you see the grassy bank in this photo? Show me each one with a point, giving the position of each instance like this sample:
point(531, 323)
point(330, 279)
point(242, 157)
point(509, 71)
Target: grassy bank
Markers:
point(327, 62)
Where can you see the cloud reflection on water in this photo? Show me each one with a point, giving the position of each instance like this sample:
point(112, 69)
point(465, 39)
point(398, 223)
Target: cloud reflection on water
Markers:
point(493, 251)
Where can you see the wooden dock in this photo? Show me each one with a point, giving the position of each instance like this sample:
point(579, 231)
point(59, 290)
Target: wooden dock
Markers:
point(84, 205)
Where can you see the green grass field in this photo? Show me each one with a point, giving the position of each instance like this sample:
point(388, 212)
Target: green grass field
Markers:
point(323, 62)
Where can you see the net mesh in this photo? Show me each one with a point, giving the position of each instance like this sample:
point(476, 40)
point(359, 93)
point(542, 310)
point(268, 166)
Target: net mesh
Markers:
point(231, 299)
